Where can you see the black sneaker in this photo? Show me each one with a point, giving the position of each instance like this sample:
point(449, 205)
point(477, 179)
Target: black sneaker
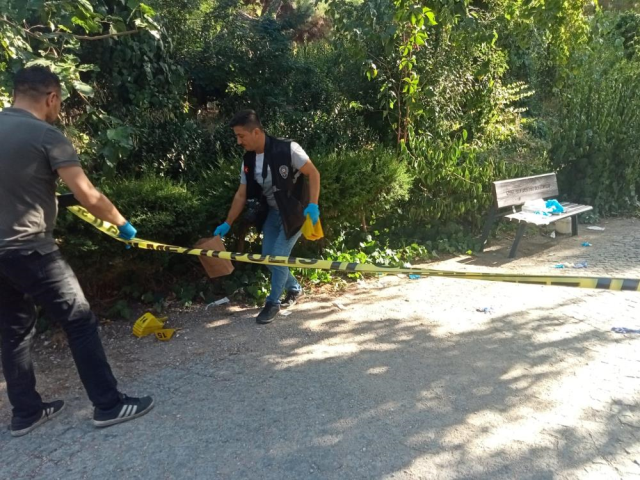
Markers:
point(22, 426)
point(292, 298)
point(128, 409)
point(268, 313)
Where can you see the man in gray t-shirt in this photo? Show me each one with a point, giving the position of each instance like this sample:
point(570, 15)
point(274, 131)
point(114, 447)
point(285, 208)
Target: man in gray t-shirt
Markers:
point(33, 156)
point(32, 152)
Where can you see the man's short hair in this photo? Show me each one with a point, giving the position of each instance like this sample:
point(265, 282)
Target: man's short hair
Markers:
point(35, 82)
point(246, 118)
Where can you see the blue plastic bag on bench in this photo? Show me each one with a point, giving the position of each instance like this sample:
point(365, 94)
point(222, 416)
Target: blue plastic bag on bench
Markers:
point(554, 207)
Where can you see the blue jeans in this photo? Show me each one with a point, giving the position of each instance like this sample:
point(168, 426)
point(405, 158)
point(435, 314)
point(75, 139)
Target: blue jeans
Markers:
point(275, 242)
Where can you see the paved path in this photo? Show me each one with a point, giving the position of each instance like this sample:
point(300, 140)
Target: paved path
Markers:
point(615, 252)
point(408, 381)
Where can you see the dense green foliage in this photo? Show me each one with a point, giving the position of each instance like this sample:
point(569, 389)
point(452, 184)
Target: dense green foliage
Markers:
point(409, 109)
point(114, 59)
point(596, 146)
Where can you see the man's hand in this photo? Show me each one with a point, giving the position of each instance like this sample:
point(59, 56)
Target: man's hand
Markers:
point(222, 230)
point(127, 231)
point(313, 211)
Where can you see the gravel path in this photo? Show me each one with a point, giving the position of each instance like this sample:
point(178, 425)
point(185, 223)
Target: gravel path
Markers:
point(405, 379)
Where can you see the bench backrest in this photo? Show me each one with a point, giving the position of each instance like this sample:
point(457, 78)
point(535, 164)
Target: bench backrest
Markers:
point(516, 191)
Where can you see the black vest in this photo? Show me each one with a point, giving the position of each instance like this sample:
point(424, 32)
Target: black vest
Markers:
point(290, 189)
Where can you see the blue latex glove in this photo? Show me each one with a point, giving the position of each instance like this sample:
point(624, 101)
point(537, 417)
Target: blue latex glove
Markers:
point(313, 211)
point(222, 230)
point(555, 206)
point(127, 231)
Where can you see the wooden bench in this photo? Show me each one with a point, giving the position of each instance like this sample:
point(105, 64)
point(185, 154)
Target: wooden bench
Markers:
point(515, 192)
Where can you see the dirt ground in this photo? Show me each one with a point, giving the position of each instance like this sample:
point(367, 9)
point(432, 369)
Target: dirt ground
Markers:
point(391, 378)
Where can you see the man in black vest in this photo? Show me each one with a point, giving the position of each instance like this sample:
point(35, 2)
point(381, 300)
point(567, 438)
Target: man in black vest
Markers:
point(272, 181)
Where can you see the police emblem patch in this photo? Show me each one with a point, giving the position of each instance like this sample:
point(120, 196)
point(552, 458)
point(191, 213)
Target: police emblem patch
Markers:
point(284, 171)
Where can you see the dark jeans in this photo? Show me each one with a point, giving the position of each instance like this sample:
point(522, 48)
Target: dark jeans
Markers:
point(48, 281)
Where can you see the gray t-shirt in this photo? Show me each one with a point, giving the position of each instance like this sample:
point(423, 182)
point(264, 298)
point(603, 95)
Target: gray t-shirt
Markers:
point(298, 160)
point(31, 151)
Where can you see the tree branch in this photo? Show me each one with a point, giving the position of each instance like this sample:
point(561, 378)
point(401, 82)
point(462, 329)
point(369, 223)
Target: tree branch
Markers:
point(272, 9)
point(18, 27)
point(102, 37)
point(246, 16)
point(78, 37)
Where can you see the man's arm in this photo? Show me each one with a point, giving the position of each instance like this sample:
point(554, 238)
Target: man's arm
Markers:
point(310, 170)
point(89, 197)
point(239, 201)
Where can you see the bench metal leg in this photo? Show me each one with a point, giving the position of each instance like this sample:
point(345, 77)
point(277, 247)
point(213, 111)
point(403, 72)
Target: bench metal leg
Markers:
point(486, 231)
point(574, 225)
point(516, 242)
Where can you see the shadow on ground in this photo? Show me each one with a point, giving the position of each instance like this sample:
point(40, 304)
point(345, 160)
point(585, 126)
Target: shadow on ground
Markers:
point(408, 382)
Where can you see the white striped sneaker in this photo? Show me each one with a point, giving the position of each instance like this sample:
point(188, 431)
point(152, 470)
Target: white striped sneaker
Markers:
point(128, 409)
point(22, 426)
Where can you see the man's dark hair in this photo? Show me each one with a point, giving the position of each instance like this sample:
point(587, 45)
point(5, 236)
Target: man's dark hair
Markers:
point(246, 118)
point(35, 82)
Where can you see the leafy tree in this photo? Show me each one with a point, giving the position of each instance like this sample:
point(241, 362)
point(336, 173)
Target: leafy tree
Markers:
point(111, 55)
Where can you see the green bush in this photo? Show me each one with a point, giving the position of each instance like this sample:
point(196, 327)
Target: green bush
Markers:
point(171, 144)
point(321, 131)
point(376, 206)
point(358, 186)
point(162, 211)
point(595, 139)
point(453, 182)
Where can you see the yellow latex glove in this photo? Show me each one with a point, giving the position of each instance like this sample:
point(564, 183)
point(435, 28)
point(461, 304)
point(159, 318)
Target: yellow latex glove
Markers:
point(311, 231)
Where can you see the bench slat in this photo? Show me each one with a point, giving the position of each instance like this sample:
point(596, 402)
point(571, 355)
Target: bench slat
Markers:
point(519, 190)
point(570, 210)
point(575, 209)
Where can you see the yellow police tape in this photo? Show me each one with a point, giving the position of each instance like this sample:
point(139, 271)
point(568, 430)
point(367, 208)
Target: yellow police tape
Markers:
point(604, 283)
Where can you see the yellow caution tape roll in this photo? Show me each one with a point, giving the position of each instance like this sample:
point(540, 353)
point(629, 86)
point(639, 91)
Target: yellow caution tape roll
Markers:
point(603, 283)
